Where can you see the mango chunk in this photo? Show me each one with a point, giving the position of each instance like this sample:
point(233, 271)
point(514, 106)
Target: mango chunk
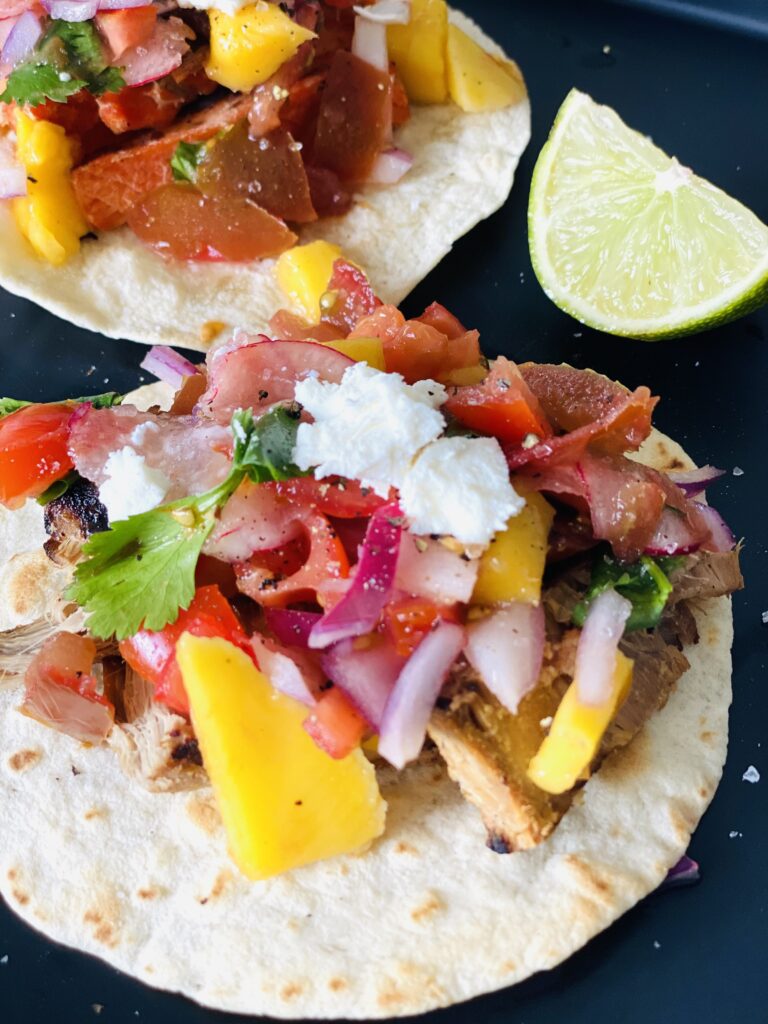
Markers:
point(418, 50)
point(566, 753)
point(362, 350)
point(284, 802)
point(303, 273)
point(49, 215)
point(476, 80)
point(249, 46)
point(512, 566)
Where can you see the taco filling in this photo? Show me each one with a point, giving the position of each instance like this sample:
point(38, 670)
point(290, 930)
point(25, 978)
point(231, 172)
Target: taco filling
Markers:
point(215, 133)
point(351, 546)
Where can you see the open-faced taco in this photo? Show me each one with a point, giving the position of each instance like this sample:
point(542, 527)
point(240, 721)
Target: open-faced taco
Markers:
point(154, 159)
point(286, 616)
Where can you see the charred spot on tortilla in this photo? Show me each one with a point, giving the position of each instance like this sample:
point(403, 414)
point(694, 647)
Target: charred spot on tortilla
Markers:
point(71, 519)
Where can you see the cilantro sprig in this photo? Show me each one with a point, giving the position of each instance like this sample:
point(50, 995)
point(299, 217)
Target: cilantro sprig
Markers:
point(68, 58)
point(103, 401)
point(141, 572)
point(186, 158)
point(644, 583)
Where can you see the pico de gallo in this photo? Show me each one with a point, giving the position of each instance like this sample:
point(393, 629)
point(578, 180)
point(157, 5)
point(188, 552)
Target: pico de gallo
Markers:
point(297, 623)
point(214, 134)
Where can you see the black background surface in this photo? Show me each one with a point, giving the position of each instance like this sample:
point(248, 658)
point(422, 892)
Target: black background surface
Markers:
point(690, 955)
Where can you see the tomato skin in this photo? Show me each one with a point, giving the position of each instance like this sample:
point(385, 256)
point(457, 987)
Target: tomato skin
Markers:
point(342, 499)
point(502, 406)
point(153, 654)
point(336, 726)
point(410, 619)
point(33, 451)
point(123, 29)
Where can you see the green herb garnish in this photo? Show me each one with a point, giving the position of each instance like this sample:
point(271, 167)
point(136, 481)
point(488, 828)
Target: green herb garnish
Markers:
point(186, 158)
point(67, 59)
point(645, 583)
point(142, 570)
point(104, 401)
point(58, 488)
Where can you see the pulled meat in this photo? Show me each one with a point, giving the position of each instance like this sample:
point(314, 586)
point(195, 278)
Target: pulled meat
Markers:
point(707, 574)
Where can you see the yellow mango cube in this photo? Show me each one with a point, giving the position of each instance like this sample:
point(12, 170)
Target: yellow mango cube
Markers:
point(577, 729)
point(284, 802)
point(466, 375)
point(512, 567)
point(362, 350)
point(49, 215)
point(249, 46)
point(478, 81)
point(418, 50)
point(303, 273)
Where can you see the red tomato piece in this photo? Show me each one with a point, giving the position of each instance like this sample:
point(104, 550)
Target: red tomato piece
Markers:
point(153, 654)
point(343, 499)
point(329, 197)
point(268, 171)
point(33, 451)
point(410, 619)
point(177, 220)
point(294, 572)
point(336, 725)
point(144, 106)
point(437, 316)
point(126, 28)
point(401, 108)
point(419, 351)
point(503, 406)
point(355, 117)
point(299, 113)
point(287, 326)
point(352, 295)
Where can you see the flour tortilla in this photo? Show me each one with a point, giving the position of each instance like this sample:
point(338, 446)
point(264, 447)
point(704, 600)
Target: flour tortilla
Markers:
point(427, 917)
point(463, 170)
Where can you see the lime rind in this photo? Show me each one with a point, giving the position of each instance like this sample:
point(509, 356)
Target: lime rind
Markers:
point(626, 240)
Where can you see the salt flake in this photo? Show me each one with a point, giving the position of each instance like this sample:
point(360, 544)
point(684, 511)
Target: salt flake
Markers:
point(751, 774)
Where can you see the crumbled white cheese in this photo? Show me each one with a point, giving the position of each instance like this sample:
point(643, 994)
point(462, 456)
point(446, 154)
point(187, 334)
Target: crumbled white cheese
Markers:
point(460, 486)
point(229, 7)
point(131, 485)
point(367, 428)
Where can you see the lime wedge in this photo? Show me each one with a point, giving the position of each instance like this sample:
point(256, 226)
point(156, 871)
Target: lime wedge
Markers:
point(627, 240)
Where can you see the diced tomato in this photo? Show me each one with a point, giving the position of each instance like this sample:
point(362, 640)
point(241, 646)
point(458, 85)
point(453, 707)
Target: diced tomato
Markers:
point(136, 107)
point(268, 171)
point(79, 114)
point(177, 220)
point(299, 113)
point(352, 296)
point(437, 316)
point(296, 571)
point(153, 654)
point(355, 117)
point(343, 499)
point(290, 327)
point(33, 451)
point(409, 619)
point(329, 197)
point(126, 28)
point(502, 406)
point(401, 108)
point(336, 726)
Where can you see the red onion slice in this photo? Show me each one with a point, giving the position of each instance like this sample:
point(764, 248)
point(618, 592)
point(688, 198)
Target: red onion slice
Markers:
point(598, 644)
point(168, 365)
point(387, 12)
point(366, 674)
point(721, 536)
point(507, 650)
point(427, 568)
point(369, 43)
point(159, 55)
point(72, 10)
point(21, 39)
point(358, 611)
point(124, 5)
point(293, 673)
point(693, 481)
point(291, 627)
point(673, 536)
point(410, 705)
point(685, 872)
point(390, 167)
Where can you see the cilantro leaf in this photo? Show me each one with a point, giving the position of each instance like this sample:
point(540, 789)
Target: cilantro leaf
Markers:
point(58, 487)
point(645, 583)
point(33, 84)
point(264, 449)
point(103, 401)
point(107, 80)
point(9, 405)
point(186, 158)
point(80, 41)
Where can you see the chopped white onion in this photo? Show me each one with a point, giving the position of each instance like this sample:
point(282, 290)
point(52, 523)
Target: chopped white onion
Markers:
point(507, 650)
point(369, 43)
point(21, 39)
point(13, 177)
point(387, 12)
point(72, 10)
point(390, 167)
point(291, 672)
point(598, 644)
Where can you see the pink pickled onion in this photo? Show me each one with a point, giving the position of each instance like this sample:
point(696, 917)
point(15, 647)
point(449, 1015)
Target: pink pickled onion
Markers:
point(427, 568)
point(721, 536)
point(673, 535)
point(359, 610)
point(21, 39)
point(291, 627)
point(390, 167)
point(598, 644)
point(168, 365)
point(507, 650)
point(685, 872)
point(159, 55)
point(366, 674)
point(410, 705)
point(293, 673)
point(369, 43)
point(693, 481)
point(72, 10)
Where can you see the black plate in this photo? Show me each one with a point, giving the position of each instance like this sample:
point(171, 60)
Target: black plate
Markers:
point(690, 955)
